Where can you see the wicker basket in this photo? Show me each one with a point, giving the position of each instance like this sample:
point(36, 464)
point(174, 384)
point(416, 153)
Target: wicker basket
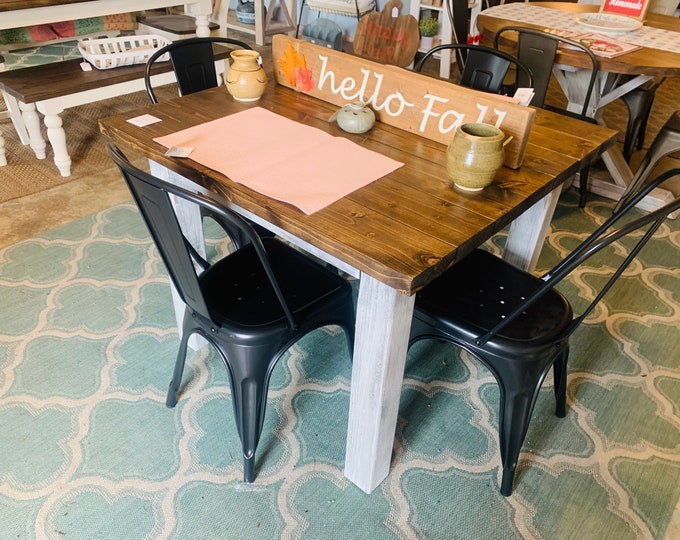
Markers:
point(107, 53)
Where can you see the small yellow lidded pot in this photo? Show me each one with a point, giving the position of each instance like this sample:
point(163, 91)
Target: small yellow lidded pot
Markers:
point(475, 155)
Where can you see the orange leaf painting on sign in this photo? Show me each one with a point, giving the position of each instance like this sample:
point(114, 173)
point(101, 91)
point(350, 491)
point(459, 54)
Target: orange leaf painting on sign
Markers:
point(294, 67)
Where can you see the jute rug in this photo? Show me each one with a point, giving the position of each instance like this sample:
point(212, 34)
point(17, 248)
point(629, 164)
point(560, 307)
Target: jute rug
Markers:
point(24, 174)
point(89, 450)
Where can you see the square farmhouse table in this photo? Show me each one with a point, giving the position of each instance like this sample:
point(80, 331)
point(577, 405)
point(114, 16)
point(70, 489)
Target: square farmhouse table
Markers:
point(395, 235)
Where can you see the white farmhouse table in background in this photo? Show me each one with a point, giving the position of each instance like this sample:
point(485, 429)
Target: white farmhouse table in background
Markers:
point(659, 57)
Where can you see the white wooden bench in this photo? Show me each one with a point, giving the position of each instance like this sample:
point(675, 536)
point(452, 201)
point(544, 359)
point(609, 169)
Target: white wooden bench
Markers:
point(20, 13)
point(65, 85)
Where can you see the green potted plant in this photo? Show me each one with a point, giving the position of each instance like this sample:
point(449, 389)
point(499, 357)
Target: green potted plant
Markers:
point(428, 29)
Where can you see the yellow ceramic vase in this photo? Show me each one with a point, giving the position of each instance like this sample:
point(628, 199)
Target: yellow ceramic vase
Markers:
point(246, 80)
point(475, 155)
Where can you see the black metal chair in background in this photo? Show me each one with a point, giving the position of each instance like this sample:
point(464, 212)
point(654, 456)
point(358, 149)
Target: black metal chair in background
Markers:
point(517, 324)
point(251, 305)
point(639, 104)
point(485, 68)
point(537, 50)
point(193, 61)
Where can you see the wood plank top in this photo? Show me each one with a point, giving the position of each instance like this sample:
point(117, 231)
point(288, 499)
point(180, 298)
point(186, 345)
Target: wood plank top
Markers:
point(645, 61)
point(403, 229)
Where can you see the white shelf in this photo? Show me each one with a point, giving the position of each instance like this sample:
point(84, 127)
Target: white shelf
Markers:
point(445, 35)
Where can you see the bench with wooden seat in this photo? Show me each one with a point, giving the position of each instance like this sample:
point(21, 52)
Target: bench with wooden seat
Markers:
point(64, 85)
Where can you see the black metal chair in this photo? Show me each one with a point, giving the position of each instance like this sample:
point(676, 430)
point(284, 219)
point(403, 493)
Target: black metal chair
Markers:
point(251, 305)
point(517, 324)
point(193, 62)
point(538, 50)
point(639, 103)
point(485, 68)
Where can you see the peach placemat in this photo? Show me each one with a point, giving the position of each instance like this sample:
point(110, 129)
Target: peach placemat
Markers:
point(281, 158)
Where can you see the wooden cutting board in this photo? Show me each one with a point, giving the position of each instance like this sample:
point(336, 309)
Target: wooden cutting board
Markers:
point(387, 36)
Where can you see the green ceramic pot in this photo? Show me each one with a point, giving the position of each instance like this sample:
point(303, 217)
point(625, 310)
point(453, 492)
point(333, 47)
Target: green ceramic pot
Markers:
point(475, 155)
point(355, 118)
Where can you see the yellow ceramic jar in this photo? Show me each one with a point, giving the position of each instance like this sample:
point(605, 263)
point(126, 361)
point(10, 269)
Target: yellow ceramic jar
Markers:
point(246, 80)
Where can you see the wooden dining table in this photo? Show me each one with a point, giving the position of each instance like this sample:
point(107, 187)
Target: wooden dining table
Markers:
point(617, 76)
point(395, 235)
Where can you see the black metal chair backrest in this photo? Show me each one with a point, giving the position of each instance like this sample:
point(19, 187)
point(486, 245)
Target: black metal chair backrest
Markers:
point(604, 236)
point(457, 11)
point(485, 68)
point(152, 196)
point(537, 51)
point(193, 62)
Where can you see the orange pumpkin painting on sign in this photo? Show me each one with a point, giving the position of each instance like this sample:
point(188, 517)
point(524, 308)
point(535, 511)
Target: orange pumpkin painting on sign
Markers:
point(294, 67)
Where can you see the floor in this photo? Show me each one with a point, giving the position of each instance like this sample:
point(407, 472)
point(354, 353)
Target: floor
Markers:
point(25, 217)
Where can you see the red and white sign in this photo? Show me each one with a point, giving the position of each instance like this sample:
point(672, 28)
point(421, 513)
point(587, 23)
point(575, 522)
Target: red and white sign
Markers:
point(629, 8)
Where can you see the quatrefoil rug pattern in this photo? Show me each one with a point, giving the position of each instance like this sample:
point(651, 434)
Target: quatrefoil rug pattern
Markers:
point(89, 450)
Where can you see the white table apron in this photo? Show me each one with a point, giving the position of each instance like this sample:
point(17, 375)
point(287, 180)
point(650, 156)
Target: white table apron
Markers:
point(383, 322)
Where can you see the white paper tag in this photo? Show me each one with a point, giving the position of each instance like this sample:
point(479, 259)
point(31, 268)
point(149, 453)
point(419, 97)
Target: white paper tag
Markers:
point(179, 151)
point(524, 95)
point(143, 120)
point(395, 12)
point(86, 66)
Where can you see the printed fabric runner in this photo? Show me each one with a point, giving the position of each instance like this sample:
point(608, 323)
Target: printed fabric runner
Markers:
point(282, 159)
point(646, 36)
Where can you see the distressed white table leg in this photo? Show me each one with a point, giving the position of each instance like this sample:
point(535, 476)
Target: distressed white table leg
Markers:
point(382, 331)
point(189, 217)
point(3, 159)
point(526, 237)
point(32, 123)
point(57, 137)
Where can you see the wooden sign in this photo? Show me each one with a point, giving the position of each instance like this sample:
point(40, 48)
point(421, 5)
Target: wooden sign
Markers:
point(387, 36)
point(414, 102)
point(637, 9)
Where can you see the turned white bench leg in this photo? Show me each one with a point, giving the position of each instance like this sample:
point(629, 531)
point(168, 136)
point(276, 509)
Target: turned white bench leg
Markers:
point(57, 137)
point(32, 123)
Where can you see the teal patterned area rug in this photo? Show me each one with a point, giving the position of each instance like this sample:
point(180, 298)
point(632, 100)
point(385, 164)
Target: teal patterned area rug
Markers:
point(89, 450)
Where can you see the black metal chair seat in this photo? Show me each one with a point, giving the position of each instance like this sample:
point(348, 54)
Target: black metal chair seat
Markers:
point(249, 303)
point(479, 289)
